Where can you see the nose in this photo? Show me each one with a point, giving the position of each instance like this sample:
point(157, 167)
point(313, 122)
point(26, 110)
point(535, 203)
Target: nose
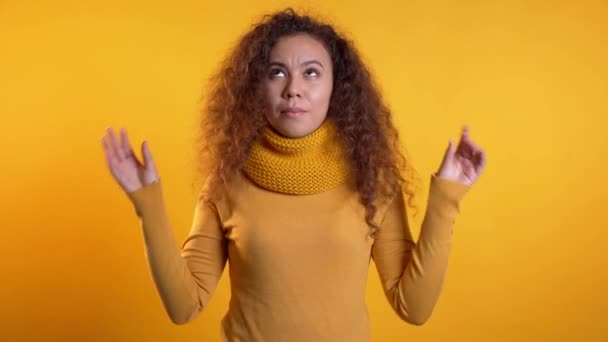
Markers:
point(292, 88)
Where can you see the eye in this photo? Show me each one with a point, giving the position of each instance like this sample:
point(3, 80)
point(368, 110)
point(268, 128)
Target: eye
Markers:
point(311, 72)
point(276, 72)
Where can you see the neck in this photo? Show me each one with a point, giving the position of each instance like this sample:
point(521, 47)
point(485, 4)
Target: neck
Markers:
point(306, 165)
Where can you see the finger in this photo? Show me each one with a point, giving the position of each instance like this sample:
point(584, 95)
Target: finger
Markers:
point(479, 161)
point(466, 134)
point(464, 148)
point(467, 146)
point(126, 145)
point(449, 152)
point(148, 160)
point(465, 130)
point(467, 138)
point(467, 149)
point(109, 153)
point(115, 145)
point(107, 146)
point(451, 148)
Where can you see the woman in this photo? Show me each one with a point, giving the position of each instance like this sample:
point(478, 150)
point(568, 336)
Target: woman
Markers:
point(303, 187)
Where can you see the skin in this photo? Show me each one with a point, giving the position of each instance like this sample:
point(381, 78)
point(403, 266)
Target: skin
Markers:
point(465, 162)
point(299, 74)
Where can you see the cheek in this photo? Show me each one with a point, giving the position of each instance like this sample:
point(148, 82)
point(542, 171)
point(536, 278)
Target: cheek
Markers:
point(273, 95)
point(268, 91)
point(322, 94)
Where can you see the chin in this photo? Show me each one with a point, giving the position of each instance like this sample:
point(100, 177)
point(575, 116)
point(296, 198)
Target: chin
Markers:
point(294, 132)
point(294, 128)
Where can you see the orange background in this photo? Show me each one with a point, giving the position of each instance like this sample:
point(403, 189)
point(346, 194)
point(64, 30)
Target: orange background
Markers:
point(530, 78)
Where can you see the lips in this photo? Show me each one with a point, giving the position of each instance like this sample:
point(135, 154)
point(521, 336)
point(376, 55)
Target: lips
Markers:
point(292, 110)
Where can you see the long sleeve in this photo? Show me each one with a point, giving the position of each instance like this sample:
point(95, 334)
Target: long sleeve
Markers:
point(184, 277)
point(412, 274)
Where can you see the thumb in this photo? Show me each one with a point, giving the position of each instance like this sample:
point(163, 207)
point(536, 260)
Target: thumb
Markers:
point(147, 155)
point(449, 151)
point(447, 156)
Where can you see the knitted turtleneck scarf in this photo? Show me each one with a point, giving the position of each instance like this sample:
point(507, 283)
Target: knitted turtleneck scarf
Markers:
point(306, 165)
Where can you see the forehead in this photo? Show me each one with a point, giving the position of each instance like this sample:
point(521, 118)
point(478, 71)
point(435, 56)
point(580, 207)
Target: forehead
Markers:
point(299, 46)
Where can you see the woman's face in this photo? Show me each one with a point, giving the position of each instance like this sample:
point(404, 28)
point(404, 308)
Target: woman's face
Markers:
point(298, 85)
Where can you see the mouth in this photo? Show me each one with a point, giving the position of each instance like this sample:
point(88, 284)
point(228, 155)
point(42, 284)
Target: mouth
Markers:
point(293, 112)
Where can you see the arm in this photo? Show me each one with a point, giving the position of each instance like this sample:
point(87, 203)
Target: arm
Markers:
point(186, 278)
point(412, 274)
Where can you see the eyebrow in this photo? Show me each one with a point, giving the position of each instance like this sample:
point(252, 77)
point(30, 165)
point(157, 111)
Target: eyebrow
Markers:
point(312, 61)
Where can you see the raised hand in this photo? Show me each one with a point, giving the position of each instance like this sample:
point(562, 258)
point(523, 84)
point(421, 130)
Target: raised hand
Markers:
point(129, 172)
point(464, 163)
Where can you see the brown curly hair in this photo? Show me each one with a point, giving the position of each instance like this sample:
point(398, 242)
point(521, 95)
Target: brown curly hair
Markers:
point(233, 113)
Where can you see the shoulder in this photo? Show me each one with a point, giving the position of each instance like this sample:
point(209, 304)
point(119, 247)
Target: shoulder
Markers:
point(222, 196)
point(395, 201)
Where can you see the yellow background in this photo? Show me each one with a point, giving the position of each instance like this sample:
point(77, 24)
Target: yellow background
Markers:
point(530, 78)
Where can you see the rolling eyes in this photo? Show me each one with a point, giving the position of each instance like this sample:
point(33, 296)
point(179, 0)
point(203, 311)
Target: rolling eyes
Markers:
point(280, 73)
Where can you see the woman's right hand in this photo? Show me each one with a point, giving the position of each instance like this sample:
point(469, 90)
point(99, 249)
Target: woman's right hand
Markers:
point(129, 172)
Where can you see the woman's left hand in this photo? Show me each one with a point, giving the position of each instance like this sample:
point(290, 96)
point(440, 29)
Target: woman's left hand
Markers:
point(465, 163)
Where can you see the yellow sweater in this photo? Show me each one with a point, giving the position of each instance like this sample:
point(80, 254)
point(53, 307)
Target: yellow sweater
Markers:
point(298, 263)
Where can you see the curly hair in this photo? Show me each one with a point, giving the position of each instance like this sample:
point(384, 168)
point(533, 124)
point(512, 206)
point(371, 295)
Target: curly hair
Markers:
point(233, 117)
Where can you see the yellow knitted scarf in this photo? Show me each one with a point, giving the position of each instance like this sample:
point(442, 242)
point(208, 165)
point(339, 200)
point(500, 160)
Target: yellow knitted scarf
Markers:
point(306, 165)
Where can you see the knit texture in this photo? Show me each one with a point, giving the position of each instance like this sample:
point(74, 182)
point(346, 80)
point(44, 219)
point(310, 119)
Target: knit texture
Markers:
point(311, 164)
